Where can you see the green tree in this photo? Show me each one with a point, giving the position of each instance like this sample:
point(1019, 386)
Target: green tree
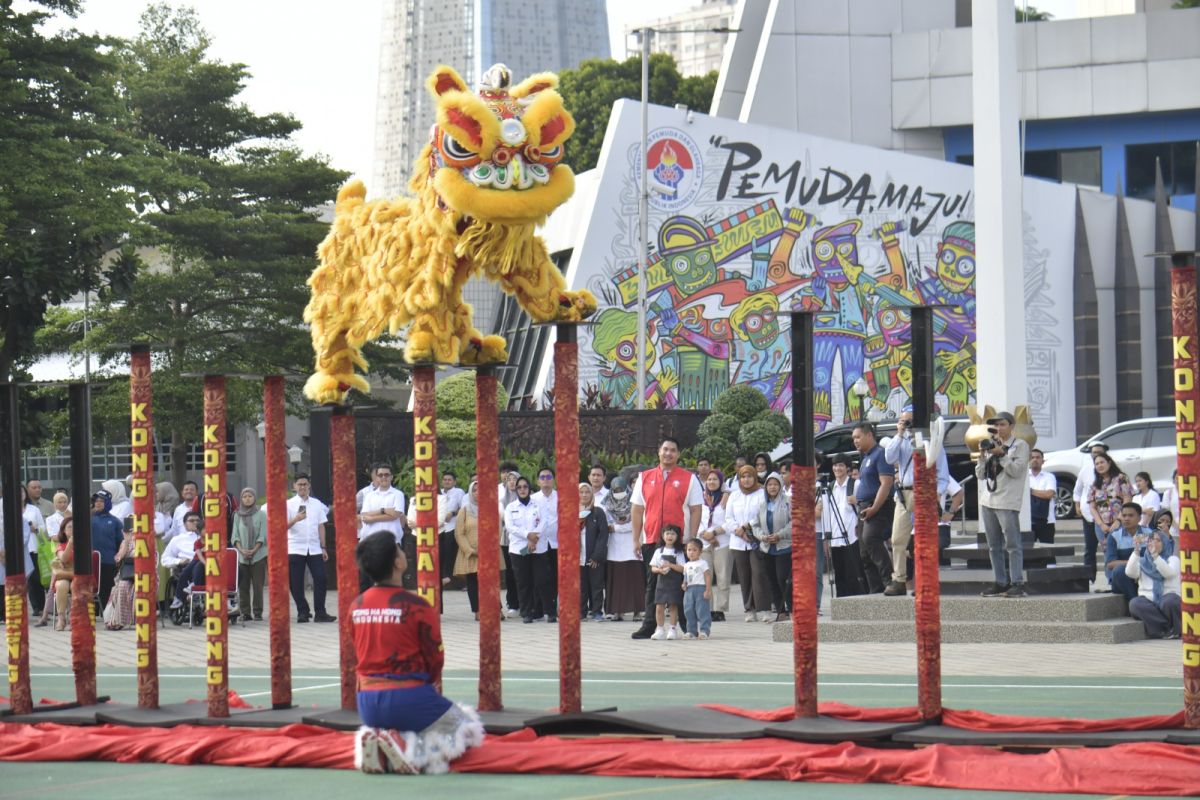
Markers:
point(1030, 13)
point(231, 209)
point(66, 165)
point(456, 423)
point(590, 90)
point(1186, 4)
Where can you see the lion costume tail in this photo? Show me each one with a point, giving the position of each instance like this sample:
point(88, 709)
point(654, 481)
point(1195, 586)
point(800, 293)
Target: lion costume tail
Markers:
point(338, 311)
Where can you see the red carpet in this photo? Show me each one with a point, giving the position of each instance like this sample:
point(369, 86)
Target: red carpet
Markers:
point(1123, 769)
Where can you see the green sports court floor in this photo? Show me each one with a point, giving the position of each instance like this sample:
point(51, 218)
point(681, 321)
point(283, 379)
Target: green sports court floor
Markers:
point(1065, 696)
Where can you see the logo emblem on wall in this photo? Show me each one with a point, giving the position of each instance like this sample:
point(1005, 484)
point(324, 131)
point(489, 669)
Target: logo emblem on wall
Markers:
point(675, 169)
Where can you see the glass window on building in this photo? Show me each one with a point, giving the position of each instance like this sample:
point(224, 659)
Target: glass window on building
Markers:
point(1178, 161)
point(1081, 166)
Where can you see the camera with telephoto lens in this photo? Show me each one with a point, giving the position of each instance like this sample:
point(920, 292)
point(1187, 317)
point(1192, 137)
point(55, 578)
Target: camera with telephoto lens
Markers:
point(989, 443)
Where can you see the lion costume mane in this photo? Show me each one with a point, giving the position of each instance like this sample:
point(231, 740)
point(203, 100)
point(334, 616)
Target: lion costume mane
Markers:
point(489, 175)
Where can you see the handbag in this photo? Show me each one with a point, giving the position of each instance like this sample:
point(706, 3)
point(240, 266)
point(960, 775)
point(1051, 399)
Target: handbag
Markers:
point(45, 557)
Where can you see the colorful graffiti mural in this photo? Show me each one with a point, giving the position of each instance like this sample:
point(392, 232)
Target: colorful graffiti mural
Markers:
point(749, 223)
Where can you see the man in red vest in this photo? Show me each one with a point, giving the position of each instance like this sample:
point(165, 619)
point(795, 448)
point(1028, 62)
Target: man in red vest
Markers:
point(664, 495)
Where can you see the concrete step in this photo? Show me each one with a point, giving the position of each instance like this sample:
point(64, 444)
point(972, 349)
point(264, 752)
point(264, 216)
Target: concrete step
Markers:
point(1106, 631)
point(1044, 608)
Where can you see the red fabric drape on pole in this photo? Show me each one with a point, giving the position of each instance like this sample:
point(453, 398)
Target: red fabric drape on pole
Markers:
point(927, 606)
point(566, 461)
point(216, 539)
point(1187, 425)
point(487, 463)
point(345, 530)
point(274, 448)
point(804, 587)
point(145, 550)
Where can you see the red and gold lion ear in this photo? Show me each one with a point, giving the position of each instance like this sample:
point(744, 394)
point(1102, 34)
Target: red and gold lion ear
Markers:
point(534, 84)
point(548, 123)
point(445, 79)
point(465, 117)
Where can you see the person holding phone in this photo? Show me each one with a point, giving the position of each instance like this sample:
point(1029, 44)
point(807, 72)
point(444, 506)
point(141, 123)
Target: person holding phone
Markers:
point(1158, 605)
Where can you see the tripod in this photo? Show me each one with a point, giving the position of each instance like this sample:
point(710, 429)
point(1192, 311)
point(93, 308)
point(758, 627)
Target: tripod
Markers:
point(825, 497)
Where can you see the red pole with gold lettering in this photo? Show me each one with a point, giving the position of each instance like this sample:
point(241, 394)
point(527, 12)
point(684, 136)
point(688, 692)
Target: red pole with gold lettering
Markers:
point(216, 622)
point(425, 486)
point(345, 529)
point(487, 463)
point(16, 614)
point(277, 553)
point(145, 563)
point(929, 592)
point(566, 461)
point(1187, 435)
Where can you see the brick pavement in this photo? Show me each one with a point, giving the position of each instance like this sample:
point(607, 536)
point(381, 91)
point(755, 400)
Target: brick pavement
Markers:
point(736, 648)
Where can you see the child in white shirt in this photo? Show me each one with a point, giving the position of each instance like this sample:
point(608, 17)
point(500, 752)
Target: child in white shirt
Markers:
point(667, 562)
point(697, 592)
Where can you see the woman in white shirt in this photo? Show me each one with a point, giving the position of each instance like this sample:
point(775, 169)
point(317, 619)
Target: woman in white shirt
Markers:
point(716, 543)
point(529, 551)
point(625, 580)
point(746, 522)
point(1146, 497)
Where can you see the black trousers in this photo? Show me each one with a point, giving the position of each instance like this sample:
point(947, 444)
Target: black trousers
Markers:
point(34, 588)
point(108, 576)
point(651, 585)
point(512, 598)
point(533, 583)
point(1089, 547)
point(876, 531)
point(473, 591)
point(1043, 532)
point(447, 552)
point(316, 565)
point(848, 577)
point(591, 590)
point(781, 581)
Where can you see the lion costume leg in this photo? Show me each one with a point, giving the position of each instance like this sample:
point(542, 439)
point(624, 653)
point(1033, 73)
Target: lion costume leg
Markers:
point(542, 292)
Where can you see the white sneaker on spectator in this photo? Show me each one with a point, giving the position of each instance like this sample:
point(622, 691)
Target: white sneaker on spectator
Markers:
point(673, 633)
point(659, 634)
point(703, 635)
point(688, 636)
point(751, 617)
point(766, 616)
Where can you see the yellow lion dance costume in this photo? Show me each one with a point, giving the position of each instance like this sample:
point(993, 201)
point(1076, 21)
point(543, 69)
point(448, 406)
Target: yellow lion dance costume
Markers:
point(488, 176)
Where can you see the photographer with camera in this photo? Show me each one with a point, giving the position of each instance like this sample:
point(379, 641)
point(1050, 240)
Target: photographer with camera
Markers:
point(873, 495)
point(1003, 474)
point(898, 450)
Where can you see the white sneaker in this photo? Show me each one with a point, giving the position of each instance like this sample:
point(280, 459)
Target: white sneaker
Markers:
point(751, 617)
point(176, 603)
point(673, 633)
point(703, 635)
point(766, 616)
point(688, 636)
point(659, 634)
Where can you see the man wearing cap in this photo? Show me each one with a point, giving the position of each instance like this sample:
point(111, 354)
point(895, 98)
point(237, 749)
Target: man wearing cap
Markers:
point(1087, 476)
point(1003, 475)
point(898, 451)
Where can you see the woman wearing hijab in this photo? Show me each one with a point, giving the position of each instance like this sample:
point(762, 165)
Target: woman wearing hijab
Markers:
point(593, 554)
point(746, 523)
point(1158, 605)
point(507, 494)
point(777, 544)
point(466, 534)
point(121, 507)
point(250, 538)
point(716, 542)
point(625, 582)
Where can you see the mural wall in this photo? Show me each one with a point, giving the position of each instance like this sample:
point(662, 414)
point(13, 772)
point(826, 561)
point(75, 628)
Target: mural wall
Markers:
point(747, 223)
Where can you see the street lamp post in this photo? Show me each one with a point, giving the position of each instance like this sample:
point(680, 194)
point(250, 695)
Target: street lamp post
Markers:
point(861, 390)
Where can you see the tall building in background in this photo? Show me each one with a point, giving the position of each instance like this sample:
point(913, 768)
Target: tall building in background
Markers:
point(688, 36)
point(470, 35)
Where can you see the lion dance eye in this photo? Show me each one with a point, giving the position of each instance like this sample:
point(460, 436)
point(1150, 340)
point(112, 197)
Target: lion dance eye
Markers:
point(455, 153)
point(551, 155)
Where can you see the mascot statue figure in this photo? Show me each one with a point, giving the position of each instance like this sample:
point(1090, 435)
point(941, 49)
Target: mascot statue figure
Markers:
point(489, 175)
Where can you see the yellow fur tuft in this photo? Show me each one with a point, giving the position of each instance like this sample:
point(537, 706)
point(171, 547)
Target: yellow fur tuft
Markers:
point(534, 84)
point(444, 79)
point(544, 108)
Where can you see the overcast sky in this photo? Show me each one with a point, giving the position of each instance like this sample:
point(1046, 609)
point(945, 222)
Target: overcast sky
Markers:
point(322, 65)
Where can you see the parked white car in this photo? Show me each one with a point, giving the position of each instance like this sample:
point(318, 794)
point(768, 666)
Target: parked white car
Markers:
point(1137, 445)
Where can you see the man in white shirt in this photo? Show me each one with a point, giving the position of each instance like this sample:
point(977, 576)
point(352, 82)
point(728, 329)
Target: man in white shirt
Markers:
point(450, 500)
point(180, 553)
point(837, 519)
point(898, 451)
point(33, 487)
point(546, 498)
point(187, 497)
point(306, 518)
point(1043, 486)
point(382, 506)
point(1087, 476)
point(596, 478)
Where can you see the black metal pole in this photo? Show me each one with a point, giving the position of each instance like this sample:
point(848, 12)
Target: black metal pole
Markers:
point(80, 406)
point(922, 366)
point(10, 474)
point(803, 448)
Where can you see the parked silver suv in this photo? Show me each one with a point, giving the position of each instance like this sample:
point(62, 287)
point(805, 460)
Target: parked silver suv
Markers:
point(1137, 445)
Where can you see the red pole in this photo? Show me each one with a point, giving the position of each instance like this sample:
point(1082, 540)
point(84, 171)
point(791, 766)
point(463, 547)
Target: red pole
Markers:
point(16, 634)
point(345, 528)
point(566, 462)
point(487, 461)
point(425, 487)
point(216, 623)
point(83, 637)
point(804, 587)
point(928, 603)
point(277, 555)
point(145, 563)
point(1187, 394)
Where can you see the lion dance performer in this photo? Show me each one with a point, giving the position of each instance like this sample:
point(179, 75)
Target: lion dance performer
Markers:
point(489, 175)
point(408, 726)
